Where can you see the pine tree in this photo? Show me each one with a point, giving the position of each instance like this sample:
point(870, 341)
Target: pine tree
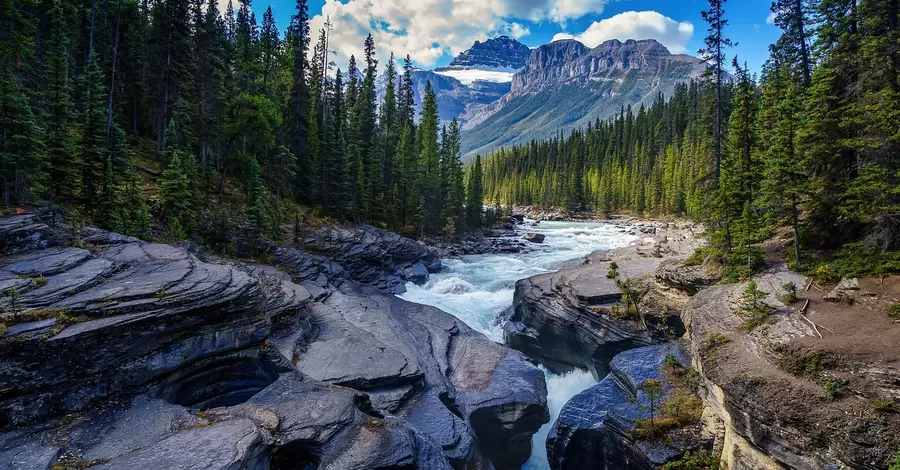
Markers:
point(62, 158)
point(429, 183)
point(713, 53)
point(474, 195)
point(298, 114)
point(93, 139)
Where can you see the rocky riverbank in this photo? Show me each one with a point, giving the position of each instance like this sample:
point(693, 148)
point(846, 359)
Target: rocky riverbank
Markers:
point(123, 354)
point(806, 383)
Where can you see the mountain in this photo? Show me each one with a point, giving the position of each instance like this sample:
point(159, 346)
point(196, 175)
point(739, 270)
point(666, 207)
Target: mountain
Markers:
point(565, 85)
point(455, 99)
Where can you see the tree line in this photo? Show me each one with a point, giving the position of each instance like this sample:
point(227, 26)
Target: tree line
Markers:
point(143, 114)
point(812, 143)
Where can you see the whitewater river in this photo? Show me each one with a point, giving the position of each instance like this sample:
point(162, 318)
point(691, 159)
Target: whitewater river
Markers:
point(477, 288)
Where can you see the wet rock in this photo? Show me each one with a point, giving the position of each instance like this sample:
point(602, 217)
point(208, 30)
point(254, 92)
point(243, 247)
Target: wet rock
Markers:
point(22, 233)
point(371, 256)
point(418, 273)
point(535, 237)
point(421, 365)
point(156, 357)
point(594, 428)
point(554, 321)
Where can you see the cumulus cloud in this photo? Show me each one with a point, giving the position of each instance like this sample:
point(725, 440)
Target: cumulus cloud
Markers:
point(636, 25)
point(428, 29)
point(771, 18)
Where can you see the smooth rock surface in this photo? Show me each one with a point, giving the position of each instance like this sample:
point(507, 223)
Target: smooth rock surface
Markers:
point(594, 428)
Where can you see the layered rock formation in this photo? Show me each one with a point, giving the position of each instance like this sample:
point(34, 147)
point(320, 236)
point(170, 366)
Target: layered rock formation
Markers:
point(595, 429)
point(574, 318)
point(368, 255)
point(801, 390)
point(123, 354)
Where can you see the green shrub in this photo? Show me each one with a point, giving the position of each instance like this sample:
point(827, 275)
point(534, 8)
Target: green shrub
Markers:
point(713, 340)
point(885, 407)
point(791, 292)
point(691, 461)
point(895, 312)
point(754, 306)
point(895, 463)
point(834, 388)
point(613, 271)
point(672, 361)
point(805, 365)
point(40, 281)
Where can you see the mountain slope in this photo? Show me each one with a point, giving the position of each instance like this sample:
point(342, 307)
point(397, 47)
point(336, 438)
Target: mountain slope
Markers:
point(455, 99)
point(565, 85)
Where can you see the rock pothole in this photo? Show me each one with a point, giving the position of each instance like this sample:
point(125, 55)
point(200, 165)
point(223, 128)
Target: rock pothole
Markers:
point(221, 383)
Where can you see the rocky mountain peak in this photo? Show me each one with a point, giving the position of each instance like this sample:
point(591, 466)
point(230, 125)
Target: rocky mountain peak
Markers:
point(500, 53)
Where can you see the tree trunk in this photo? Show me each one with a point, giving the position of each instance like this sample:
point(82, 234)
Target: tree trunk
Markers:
point(5, 182)
point(796, 223)
point(112, 85)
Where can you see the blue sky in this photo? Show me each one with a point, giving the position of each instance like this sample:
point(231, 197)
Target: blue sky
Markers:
point(433, 31)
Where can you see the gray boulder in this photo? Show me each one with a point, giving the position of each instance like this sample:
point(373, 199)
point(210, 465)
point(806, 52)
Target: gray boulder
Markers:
point(534, 237)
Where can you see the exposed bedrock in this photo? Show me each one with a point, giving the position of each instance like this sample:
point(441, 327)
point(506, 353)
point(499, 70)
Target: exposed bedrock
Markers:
point(371, 256)
point(594, 429)
point(125, 354)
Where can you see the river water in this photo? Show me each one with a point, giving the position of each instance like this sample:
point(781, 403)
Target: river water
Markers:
point(477, 288)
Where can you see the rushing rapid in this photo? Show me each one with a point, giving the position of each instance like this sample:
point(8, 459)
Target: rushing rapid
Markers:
point(476, 289)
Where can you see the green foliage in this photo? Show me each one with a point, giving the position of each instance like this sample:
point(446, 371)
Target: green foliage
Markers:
point(885, 407)
point(834, 388)
point(40, 281)
point(754, 307)
point(791, 292)
point(672, 361)
point(895, 462)
point(694, 461)
point(801, 365)
point(713, 340)
point(895, 311)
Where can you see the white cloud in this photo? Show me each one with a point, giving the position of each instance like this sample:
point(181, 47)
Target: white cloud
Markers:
point(427, 29)
point(636, 25)
point(771, 18)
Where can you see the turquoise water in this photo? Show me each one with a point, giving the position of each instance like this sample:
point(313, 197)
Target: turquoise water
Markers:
point(477, 288)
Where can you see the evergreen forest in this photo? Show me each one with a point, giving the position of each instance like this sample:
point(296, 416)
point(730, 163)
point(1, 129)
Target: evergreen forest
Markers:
point(812, 143)
point(172, 117)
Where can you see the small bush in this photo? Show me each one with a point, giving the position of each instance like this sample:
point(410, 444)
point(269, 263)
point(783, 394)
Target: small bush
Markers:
point(160, 294)
point(691, 461)
point(40, 281)
point(754, 307)
point(684, 409)
point(791, 292)
point(806, 365)
point(834, 388)
point(648, 429)
point(672, 361)
point(895, 463)
point(613, 271)
point(885, 407)
point(895, 312)
point(713, 340)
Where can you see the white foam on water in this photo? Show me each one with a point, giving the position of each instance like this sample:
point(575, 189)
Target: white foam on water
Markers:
point(477, 288)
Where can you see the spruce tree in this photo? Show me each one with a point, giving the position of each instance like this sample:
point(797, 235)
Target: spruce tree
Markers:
point(93, 138)
point(429, 182)
point(62, 157)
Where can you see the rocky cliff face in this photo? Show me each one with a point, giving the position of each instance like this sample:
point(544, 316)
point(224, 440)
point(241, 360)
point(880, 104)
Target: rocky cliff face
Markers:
point(123, 354)
point(596, 428)
point(565, 85)
point(500, 53)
